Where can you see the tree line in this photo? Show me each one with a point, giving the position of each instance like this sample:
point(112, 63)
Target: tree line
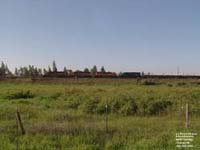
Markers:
point(32, 71)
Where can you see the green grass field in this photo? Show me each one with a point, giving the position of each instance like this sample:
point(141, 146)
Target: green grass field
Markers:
point(71, 114)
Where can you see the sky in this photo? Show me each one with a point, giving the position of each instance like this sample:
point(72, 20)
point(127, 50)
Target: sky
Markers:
point(156, 36)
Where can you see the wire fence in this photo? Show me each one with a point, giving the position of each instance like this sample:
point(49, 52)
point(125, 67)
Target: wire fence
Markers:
point(23, 126)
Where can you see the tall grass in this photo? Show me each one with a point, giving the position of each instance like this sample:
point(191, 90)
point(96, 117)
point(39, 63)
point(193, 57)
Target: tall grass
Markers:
point(70, 114)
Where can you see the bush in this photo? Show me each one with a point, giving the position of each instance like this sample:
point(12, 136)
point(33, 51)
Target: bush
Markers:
point(53, 96)
point(157, 107)
point(181, 84)
point(129, 108)
point(20, 95)
point(123, 104)
point(73, 103)
point(196, 111)
point(101, 108)
point(115, 143)
point(90, 106)
point(143, 108)
point(116, 104)
point(149, 82)
point(170, 85)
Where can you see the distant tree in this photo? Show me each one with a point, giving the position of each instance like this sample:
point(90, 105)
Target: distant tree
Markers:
point(86, 70)
point(103, 69)
point(39, 72)
point(54, 67)
point(65, 71)
point(142, 74)
point(94, 69)
point(49, 69)
point(35, 72)
point(78, 71)
point(7, 71)
point(44, 71)
point(20, 71)
point(3, 69)
point(24, 72)
point(16, 72)
point(30, 71)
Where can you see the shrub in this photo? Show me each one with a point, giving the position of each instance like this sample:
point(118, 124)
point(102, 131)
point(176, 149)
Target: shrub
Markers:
point(123, 104)
point(20, 95)
point(101, 108)
point(129, 108)
point(90, 106)
point(53, 96)
point(116, 104)
point(195, 111)
point(73, 103)
point(143, 108)
point(115, 143)
point(149, 82)
point(170, 85)
point(159, 106)
point(181, 84)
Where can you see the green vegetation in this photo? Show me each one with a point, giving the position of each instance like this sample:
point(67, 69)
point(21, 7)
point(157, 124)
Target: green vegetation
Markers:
point(19, 95)
point(71, 113)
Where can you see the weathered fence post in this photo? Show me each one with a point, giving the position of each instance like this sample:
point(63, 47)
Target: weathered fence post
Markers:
point(106, 118)
point(19, 122)
point(186, 116)
point(17, 135)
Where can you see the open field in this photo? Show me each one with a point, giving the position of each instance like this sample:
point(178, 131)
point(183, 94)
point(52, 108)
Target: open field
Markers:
point(71, 114)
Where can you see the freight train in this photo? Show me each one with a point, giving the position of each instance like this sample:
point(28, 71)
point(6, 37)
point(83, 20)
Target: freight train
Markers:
point(81, 74)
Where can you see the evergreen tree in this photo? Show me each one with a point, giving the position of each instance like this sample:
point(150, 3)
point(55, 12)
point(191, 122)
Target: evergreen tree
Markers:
point(44, 71)
point(86, 70)
point(49, 69)
point(16, 72)
point(3, 70)
point(54, 66)
point(103, 69)
point(39, 72)
point(30, 71)
point(20, 71)
point(8, 72)
point(94, 69)
point(26, 72)
point(35, 72)
point(65, 70)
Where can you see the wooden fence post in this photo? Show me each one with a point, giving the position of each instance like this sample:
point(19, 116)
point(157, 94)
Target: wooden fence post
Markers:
point(106, 118)
point(186, 116)
point(19, 122)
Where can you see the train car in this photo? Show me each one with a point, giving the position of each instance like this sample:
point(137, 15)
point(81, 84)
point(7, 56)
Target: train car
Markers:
point(58, 74)
point(81, 74)
point(172, 76)
point(130, 75)
point(105, 75)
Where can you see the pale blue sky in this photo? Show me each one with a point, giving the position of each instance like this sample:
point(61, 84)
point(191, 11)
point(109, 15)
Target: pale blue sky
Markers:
point(123, 35)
